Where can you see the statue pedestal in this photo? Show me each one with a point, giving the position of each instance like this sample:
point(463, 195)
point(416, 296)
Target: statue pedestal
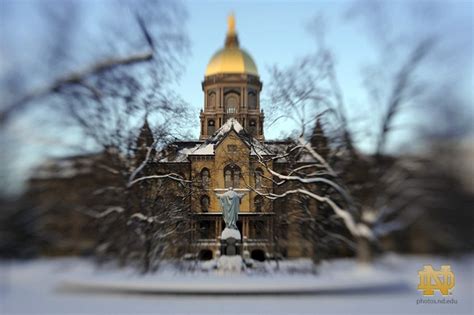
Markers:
point(230, 233)
point(230, 242)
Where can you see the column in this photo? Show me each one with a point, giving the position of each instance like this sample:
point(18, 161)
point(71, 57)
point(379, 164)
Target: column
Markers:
point(245, 228)
point(221, 96)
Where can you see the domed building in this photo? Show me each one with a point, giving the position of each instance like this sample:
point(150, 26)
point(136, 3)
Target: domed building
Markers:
point(228, 154)
point(231, 152)
point(232, 89)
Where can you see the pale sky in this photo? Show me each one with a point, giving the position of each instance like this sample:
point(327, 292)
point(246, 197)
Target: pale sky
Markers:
point(275, 32)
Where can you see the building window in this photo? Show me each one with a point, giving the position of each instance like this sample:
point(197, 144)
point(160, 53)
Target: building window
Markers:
point(205, 178)
point(205, 203)
point(231, 104)
point(211, 100)
point(237, 178)
point(232, 176)
point(258, 178)
point(228, 178)
point(257, 229)
point(252, 100)
point(258, 254)
point(206, 230)
point(211, 127)
point(252, 127)
point(205, 254)
point(258, 203)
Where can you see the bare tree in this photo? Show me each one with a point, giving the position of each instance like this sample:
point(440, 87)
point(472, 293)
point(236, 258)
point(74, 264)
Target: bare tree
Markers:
point(108, 98)
point(371, 194)
point(151, 32)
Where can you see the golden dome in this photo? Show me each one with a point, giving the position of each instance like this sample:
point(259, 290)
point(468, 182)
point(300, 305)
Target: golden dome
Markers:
point(231, 59)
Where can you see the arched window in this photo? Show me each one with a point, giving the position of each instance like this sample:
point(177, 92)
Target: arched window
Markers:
point(258, 178)
point(228, 178)
point(237, 177)
point(252, 100)
point(205, 203)
point(253, 127)
point(205, 178)
point(232, 176)
point(211, 127)
point(205, 254)
point(231, 104)
point(206, 229)
point(258, 254)
point(211, 100)
point(258, 203)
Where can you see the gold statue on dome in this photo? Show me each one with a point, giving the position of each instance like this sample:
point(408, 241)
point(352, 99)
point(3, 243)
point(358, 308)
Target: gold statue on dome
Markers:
point(231, 23)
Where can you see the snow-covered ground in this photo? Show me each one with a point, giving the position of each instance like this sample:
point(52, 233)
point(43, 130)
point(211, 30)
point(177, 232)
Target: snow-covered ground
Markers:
point(389, 287)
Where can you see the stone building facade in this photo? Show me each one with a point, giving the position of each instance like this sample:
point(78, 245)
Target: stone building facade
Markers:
point(229, 153)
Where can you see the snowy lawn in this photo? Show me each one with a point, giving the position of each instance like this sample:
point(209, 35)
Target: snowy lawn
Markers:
point(74, 286)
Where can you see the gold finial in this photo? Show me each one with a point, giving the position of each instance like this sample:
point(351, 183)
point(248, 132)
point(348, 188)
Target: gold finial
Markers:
point(231, 23)
point(231, 39)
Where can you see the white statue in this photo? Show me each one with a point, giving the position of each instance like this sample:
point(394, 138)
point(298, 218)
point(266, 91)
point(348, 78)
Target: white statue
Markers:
point(230, 204)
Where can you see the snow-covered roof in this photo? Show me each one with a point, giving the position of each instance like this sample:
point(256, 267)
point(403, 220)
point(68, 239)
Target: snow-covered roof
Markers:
point(233, 125)
point(182, 150)
point(65, 167)
point(203, 149)
point(178, 152)
point(230, 124)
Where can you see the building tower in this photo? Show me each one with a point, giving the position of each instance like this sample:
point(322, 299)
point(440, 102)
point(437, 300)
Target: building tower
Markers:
point(231, 89)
